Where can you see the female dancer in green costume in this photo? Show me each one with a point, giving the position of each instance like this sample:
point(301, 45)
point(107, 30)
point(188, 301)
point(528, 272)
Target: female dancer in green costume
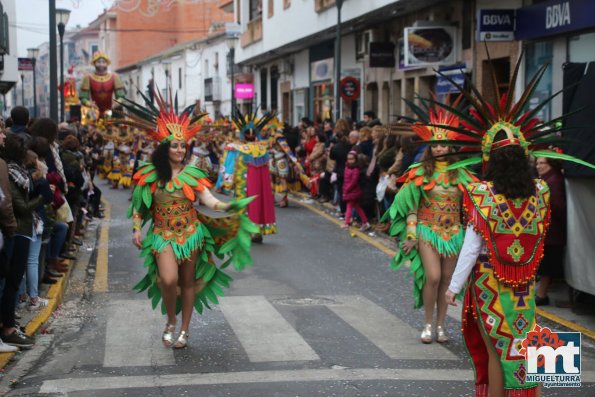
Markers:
point(426, 217)
point(181, 243)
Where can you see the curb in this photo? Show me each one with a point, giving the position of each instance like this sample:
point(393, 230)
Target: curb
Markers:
point(54, 296)
point(376, 242)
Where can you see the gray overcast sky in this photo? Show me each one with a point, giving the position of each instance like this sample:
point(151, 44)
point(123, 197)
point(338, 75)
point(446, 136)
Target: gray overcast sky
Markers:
point(33, 19)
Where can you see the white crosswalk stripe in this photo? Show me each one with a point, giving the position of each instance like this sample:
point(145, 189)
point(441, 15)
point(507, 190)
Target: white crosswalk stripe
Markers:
point(263, 332)
point(393, 336)
point(133, 326)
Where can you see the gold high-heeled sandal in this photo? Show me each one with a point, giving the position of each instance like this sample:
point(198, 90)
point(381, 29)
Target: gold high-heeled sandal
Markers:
point(441, 336)
point(426, 334)
point(168, 335)
point(182, 340)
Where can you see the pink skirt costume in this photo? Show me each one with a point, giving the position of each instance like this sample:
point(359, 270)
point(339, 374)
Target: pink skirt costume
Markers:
point(252, 178)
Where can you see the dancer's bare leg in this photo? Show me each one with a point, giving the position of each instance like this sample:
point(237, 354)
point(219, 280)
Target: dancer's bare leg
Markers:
point(495, 377)
point(431, 263)
point(448, 267)
point(187, 279)
point(168, 273)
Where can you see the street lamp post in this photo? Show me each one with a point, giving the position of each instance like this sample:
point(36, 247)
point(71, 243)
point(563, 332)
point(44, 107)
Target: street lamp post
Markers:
point(231, 44)
point(338, 62)
point(33, 53)
point(52, 65)
point(23, 88)
point(62, 16)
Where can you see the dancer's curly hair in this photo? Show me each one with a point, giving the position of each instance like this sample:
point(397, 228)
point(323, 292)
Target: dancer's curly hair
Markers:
point(160, 159)
point(510, 171)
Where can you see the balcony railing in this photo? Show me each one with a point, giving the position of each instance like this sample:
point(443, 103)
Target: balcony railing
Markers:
point(253, 33)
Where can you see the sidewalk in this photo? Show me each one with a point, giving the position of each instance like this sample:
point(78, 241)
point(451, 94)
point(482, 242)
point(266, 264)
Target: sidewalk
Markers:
point(580, 318)
point(35, 320)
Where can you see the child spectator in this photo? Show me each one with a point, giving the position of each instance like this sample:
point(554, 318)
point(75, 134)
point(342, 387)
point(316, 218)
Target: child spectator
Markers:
point(352, 191)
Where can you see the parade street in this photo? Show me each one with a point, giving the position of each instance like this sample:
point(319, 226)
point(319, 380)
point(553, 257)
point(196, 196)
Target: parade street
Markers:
point(319, 314)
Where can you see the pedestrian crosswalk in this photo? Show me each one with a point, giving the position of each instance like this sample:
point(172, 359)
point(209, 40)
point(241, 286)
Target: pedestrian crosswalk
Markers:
point(263, 332)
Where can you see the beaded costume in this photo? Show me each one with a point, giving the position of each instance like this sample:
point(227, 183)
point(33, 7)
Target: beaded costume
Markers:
point(499, 300)
point(173, 220)
point(245, 171)
point(429, 207)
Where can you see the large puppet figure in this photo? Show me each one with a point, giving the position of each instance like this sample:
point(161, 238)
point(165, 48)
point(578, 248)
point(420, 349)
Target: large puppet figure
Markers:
point(245, 171)
point(101, 86)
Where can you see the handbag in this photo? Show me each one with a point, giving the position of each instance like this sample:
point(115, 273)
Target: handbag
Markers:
point(64, 213)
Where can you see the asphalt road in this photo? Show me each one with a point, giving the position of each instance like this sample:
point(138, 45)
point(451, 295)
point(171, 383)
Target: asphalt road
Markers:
point(319, 314)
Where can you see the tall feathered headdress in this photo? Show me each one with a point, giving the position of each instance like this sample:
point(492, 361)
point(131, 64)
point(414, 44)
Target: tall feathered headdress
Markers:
point(431, 122)
point(250, 121)
point(486, 118)
point(161, 123)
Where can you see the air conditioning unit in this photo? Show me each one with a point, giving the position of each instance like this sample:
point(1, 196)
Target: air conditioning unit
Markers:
point(362, 43)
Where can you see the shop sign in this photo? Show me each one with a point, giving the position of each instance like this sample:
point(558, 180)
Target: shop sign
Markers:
point(350, 88)
point(444, 86)
point(244, 91)
point(554, 17)
point(430, 45)
point(382, 55)
point(495, 25)
point(322, 70)
point(25, 64)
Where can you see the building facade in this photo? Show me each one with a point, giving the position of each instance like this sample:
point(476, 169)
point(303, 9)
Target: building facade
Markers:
point(9, 75)
point(132, 32)
point(294, 72)
point(196, 72)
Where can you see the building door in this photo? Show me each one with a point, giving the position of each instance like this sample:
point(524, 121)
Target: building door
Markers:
point(323, 101)
point(372, 98)
point(274, 89)
point(286, 105)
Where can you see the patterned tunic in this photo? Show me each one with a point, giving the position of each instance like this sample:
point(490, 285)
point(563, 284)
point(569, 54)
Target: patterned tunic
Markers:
point(499, 301)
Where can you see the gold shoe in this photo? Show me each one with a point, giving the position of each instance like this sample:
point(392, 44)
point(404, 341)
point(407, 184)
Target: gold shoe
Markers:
point(168, 335)
point(441, 336)
point(182, 341)
point(426, 334)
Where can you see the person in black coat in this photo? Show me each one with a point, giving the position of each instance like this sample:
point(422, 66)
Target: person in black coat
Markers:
point(339, 153)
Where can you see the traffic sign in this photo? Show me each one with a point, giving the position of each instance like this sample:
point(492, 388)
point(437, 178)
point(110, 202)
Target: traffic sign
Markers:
point(349, 88)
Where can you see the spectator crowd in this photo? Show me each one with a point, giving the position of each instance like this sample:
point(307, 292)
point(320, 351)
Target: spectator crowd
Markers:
point(46, 197)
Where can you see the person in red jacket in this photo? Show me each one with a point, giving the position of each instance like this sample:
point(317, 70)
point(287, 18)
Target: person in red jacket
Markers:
point(352, 191)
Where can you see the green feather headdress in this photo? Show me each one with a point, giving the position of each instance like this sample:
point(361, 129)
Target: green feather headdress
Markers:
point(250, 121)
point(485, 118)
point(161, 123)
